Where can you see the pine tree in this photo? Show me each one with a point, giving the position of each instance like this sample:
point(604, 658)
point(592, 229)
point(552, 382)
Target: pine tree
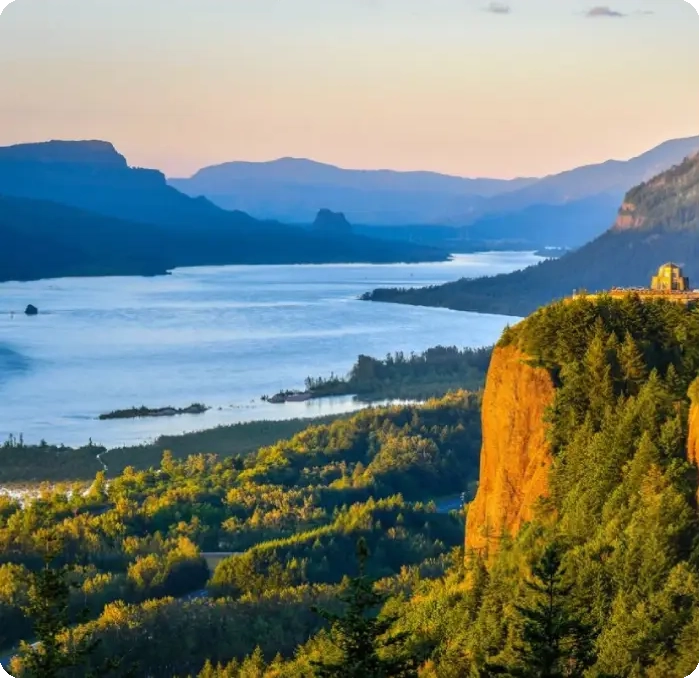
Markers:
point(47, 607)
point(599, 374)
point(674, 383)
point(361, 636)
point(555, 642)
point(632, 364)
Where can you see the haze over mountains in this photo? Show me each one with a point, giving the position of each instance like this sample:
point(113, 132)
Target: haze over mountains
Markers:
point(293, 190)
point(77, 208)
point(657, 222)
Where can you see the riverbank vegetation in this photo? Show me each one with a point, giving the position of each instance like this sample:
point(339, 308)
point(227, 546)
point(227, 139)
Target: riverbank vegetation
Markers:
point(22, 464)
point(417, 376)
point(421, 376)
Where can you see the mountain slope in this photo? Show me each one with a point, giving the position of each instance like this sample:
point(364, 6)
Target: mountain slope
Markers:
point(43, 239)
point(77, 208)
point(40, 239)
point(658, 222)
point(542, 225)
point(614, 177)
point(93, 176)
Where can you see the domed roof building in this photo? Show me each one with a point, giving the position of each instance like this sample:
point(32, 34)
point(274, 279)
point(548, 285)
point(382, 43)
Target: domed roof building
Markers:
point(670, 279)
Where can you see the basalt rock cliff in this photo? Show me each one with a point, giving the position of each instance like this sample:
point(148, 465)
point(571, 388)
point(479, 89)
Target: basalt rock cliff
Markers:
point(693, 438)
point(515, 457)
point(584, 399)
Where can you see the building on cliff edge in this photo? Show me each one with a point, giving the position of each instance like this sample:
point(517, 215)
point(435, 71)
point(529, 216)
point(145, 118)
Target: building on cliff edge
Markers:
point(669, 283)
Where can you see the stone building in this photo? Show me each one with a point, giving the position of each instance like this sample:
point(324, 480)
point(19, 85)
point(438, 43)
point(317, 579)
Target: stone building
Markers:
point(670, 279)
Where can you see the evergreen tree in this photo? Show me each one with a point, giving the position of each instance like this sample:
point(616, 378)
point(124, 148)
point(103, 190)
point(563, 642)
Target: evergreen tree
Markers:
point(632, 364)
point(360, 635)
point(47, 607)
point(674, 383)
point(555, 642)
point(600, 386)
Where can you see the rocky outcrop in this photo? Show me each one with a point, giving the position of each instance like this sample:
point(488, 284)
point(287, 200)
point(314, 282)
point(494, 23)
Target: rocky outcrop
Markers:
point(31, 310)
point(332, 222)
point(515, 457)
point(693, 438)
point(628, 218)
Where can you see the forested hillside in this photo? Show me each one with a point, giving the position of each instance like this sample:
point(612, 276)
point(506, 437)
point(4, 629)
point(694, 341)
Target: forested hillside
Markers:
point(602, 579)
point(658, 222)
point(293, 510)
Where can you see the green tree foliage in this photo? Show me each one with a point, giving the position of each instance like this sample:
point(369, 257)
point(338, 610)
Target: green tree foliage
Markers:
point(554, 643)
point(360, 636)
point(274, 527)
point(48, 609)
point(418, 376)
point(622, 500)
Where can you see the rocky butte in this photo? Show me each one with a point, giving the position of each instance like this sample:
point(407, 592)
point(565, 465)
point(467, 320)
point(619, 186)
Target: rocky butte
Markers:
point(515, 457)
point(610, 349)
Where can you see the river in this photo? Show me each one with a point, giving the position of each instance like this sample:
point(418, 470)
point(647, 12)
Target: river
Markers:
point(222, 336)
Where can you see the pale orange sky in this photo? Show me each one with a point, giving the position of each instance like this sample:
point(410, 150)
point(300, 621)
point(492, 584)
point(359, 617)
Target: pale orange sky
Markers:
point(525, 87)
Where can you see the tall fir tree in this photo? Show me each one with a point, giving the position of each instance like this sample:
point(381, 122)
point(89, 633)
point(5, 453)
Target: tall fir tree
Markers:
point(48, 608)
point(632, 365)
point(555, 643)
point(367, 651)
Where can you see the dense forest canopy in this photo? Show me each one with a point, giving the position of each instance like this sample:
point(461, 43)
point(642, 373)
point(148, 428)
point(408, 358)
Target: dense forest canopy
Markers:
point(292, 512)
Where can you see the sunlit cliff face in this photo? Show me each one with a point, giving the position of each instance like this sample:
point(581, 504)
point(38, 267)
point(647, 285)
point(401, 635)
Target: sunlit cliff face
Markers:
point(515, 458)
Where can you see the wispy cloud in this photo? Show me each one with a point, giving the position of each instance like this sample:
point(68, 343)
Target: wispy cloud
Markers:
point(498, 8)
point(602, 11)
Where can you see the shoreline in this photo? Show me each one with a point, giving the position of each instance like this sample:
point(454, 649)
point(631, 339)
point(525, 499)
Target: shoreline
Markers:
point(65, 464)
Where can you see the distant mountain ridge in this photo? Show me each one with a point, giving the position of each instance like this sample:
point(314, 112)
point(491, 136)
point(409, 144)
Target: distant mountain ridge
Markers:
point(92, 175)
point(302, 171)
point(613, 177)
point(89, 152)
point(77, 208)
point(293, 189)
point(657, 222)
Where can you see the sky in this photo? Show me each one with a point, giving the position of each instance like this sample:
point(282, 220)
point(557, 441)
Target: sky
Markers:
point(467, 87)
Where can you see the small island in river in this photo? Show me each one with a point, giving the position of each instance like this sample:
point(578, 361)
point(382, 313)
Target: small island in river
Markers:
point(138, 412)
point(289, 397)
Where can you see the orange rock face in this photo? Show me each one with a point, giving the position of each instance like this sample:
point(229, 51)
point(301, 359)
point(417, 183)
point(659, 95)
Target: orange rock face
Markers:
point(628, 218)
point(515, 457)
point(693, 439)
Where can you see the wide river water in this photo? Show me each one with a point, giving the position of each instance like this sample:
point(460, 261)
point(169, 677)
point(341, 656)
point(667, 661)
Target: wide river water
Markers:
point(221, 336)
